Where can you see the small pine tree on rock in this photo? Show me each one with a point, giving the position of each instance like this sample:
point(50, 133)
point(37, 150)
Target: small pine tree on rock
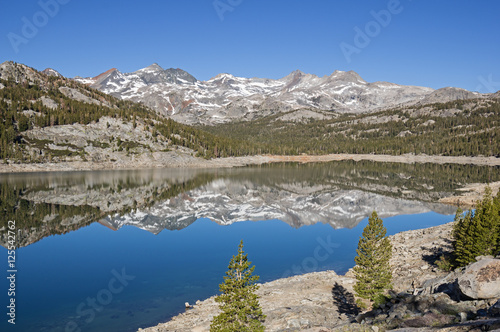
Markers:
point(373, 271)
point(239, 304)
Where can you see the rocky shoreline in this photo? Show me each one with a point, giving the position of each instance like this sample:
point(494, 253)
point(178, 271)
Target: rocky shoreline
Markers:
point(178, 159)
point(471, 194)
point(324, 301)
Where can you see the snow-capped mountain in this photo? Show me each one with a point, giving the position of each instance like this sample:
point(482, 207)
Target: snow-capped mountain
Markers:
point(223, 98)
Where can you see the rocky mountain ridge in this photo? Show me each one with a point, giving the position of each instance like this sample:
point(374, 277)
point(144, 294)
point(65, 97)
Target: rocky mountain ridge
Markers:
point(176, 94)
point(226, 98)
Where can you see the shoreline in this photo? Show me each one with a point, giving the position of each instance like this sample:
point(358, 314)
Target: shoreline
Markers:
point(182, 160)
point(472, 193)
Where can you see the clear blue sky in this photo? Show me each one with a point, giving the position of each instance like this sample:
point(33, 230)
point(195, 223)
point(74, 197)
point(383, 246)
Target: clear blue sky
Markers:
point(427, 43)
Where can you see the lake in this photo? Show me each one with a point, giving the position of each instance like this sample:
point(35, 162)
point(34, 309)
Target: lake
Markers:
point(119, 250)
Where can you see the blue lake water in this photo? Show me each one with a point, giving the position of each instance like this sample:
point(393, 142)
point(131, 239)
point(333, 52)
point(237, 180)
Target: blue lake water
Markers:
point(119, 250)
point(57, 275)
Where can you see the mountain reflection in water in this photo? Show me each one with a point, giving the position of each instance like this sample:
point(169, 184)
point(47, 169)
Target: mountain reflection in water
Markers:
point(340, 194)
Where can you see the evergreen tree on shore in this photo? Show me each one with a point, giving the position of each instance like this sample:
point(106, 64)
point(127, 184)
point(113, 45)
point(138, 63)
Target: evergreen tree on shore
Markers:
point(477, 233)
point(373, 271)
point(239, 304)
point(462, 244)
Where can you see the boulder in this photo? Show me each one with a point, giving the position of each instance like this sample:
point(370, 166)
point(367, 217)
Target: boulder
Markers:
point(494, 310)
point(429, 319)
point(481, 280)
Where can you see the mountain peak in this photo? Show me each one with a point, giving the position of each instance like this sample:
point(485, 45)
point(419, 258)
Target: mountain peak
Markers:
point(19, 72)
point(296, 74)
point(152, 68)
point(221, 76)
point(104, 75)
point(51, 72)
point(349, 76)
point(449, 94)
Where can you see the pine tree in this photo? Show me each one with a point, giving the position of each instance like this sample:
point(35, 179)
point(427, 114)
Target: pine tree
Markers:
point(485, 227)
point(477, 232)
point(496, 203)
point(462, 242)
point(239, 304)
point(373, 271)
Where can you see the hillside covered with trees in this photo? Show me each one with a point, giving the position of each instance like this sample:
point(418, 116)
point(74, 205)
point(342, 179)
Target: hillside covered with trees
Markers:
point(457, 128)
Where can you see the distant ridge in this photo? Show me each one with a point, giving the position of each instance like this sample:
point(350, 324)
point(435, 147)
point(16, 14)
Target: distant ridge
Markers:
point(226, 98)
point(177, 94)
